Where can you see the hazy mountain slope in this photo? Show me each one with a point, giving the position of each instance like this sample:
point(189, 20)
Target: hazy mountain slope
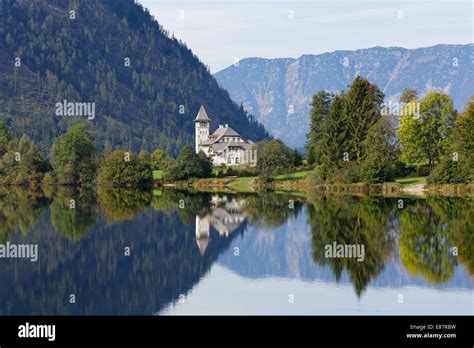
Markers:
point(269, 87)
point(84, 59)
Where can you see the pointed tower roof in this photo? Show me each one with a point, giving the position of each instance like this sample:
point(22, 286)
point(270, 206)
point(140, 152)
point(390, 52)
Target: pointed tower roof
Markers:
point(202, 115)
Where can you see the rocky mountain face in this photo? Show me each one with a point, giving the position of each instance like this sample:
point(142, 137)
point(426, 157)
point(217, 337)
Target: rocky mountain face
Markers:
point(278, 91)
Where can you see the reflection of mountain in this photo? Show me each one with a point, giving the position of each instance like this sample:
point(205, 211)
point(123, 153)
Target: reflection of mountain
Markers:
point(286, 252)
point(81, 251)
point(164, 263)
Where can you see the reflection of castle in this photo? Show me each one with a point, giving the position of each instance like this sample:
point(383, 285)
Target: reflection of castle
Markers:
point(225, 218)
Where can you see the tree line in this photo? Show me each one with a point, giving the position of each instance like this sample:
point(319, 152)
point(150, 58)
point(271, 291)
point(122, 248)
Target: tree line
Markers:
point(75, 161)
point(354, 137)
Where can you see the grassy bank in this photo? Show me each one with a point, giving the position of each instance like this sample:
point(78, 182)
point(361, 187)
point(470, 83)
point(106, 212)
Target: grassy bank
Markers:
point(297, 182)
point(420, 180)
point(287, 182)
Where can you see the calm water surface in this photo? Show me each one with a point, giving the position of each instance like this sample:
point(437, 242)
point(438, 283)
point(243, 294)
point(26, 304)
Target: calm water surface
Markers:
point(203, 253)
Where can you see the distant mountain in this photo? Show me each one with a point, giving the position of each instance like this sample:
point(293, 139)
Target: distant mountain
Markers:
point(278, 91)
point(145, 85)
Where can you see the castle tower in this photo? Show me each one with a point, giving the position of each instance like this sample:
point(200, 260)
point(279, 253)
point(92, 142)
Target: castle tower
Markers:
point(202, 122)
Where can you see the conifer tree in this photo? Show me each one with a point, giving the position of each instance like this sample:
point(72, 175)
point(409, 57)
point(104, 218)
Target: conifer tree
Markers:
point(320, 106)
point(362, 106)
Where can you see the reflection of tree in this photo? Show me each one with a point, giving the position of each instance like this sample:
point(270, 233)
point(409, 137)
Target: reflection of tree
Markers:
point(19, 210)
point(165, 263)
point(351, 220)
point(186, 204)
point(269, 210)
point(458, 215)
point(73, 221)
point(429, 231)
point(123, 203)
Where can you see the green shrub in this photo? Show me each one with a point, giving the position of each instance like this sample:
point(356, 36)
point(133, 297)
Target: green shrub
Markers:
point(123, 168)
point(188, 165)
point(316, 177)
point(448, 171)
point(347, 174)
point(377, 169)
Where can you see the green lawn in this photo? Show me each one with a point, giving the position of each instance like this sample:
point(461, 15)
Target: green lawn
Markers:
point(293, 176)
point(157, 174)
point(411, 181)
point(242, 183)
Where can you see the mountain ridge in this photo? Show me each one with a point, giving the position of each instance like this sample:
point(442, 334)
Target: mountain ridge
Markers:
point(267, 87)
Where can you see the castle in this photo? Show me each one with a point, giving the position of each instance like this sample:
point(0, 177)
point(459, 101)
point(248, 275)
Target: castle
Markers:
point(224, 146)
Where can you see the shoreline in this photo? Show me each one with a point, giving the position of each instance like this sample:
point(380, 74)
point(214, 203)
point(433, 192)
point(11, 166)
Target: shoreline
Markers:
point(295, 182)
point(251, 184)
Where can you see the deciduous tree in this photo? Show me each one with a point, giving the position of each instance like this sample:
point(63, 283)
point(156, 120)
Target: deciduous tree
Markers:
point(74, 157)
point(424, 137)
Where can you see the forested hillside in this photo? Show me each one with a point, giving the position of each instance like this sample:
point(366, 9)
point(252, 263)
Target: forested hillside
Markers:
point(146, 85)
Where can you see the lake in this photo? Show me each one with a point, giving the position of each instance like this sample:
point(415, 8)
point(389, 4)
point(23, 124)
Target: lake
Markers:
point(166, 252)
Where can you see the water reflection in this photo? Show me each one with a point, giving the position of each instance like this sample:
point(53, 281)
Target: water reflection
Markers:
point(225, 216)
point(19, 211)
point(73, 212)
point(352, 220)
point(177, 238)
point(436, 236)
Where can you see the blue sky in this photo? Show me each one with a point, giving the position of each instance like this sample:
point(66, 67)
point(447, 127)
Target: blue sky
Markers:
point(221, 32)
